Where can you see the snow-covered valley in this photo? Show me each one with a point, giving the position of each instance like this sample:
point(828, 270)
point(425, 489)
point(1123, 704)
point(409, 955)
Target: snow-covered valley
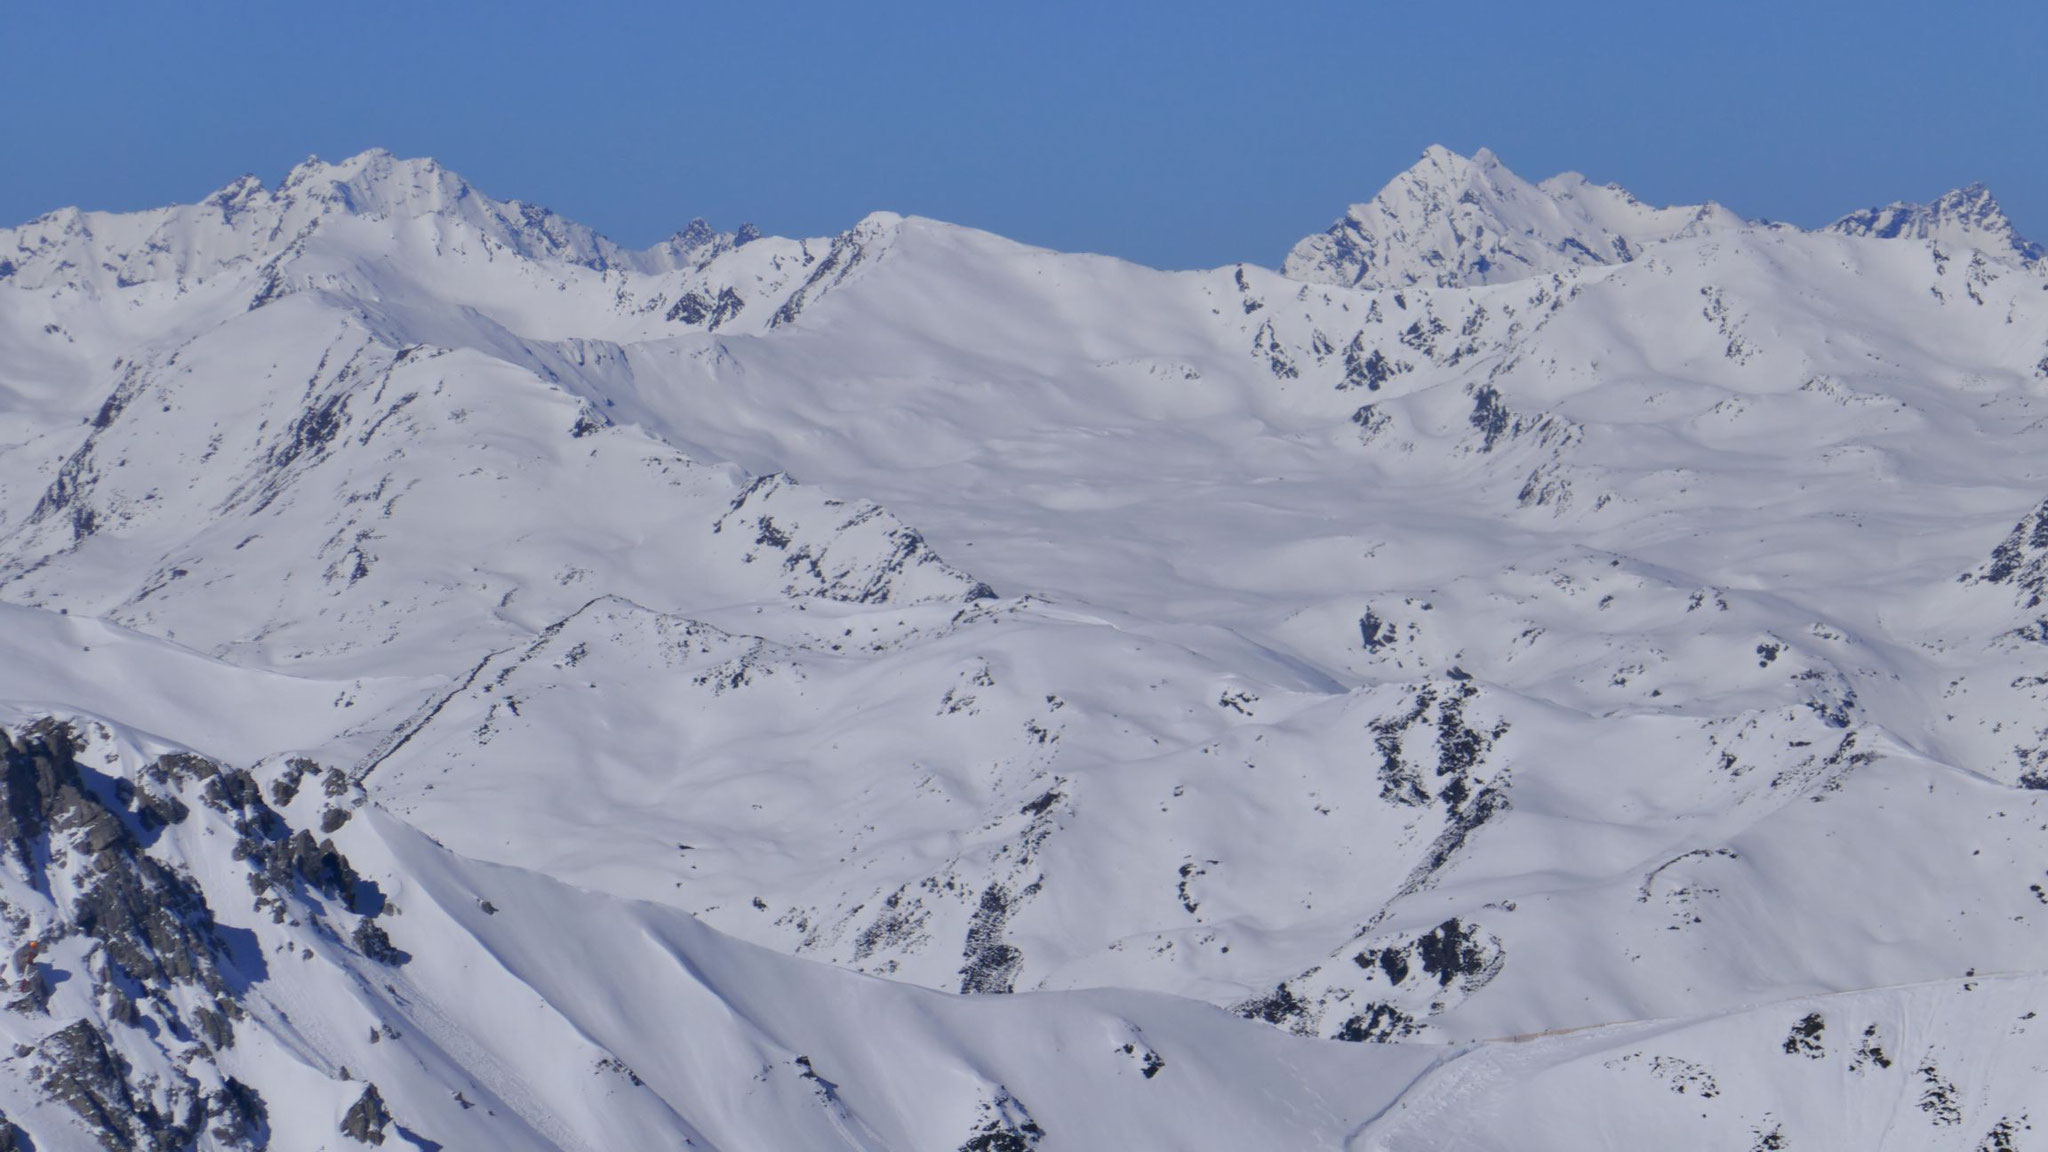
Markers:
point(1538, 671)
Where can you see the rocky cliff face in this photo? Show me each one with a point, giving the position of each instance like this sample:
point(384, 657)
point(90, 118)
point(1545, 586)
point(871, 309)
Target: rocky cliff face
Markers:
point(109, 932)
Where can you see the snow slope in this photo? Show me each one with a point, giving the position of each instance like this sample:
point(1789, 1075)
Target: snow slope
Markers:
point(1559, 646)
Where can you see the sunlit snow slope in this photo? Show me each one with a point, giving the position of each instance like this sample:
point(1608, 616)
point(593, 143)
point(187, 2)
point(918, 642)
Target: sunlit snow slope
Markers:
point(1542, 671)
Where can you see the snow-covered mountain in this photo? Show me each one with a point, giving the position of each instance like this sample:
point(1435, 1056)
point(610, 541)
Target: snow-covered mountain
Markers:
point(1453, 221)
point(1964, 219)
point(475, 686)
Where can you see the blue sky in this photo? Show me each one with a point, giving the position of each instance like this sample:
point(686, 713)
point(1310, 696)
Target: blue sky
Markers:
point(1180, 134)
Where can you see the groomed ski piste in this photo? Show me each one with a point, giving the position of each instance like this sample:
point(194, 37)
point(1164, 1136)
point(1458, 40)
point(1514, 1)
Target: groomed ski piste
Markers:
point(1537, 671)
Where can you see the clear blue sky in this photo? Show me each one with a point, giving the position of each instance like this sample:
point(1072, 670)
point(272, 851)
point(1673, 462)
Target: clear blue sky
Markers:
point(1181, 134)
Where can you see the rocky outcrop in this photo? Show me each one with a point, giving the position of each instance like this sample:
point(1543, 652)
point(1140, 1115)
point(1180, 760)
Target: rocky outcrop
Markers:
point(857, 553)
point(151, 921)
point(2020, 561)
point(164, 979)
point(170, 1111)
point(367, 1118)
point(1005, 1125)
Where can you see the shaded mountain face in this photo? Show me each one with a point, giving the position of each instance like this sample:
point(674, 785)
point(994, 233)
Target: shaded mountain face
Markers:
point(474, 686)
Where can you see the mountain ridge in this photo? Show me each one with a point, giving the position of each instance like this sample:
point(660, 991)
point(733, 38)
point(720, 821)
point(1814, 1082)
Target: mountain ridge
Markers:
point(1565, 221)
point(1457, 221)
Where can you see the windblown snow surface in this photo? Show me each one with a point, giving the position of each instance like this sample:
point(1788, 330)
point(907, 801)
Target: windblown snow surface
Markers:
point(1542, 671)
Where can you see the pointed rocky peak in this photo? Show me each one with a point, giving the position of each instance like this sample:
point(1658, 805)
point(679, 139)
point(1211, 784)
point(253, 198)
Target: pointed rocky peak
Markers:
point(1968, 217)
point(1453, 220)
point(376, 183)
point(696, 234)
point(696, 244)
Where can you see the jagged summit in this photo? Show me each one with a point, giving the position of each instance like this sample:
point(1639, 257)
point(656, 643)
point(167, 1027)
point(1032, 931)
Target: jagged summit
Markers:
point(1453, 220)
point(245, 222)
point(1968, 217)
point(1456, 221)
point(375, 183)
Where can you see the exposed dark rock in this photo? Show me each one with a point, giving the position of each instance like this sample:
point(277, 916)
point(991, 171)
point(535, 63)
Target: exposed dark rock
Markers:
point(1829, 698)
point(1189, 873)
point(34, 993)
point(1392, 961)
point(1939, 1097)
point(320, 866)
point(2020, 560)
point(1870, 1052)
point(213, 1027)
point(695, 308)
point(1400, 782)
point(311, 431)
point(1150, 1063)
point(1371, 423)
point(1375, 633)
point(1466, 815)
point(1280, 1007)
point(118, 400)
point(152, 922)
point(76, 1067)
point(818, 563)
point(1453, 950)
point(1005, 1126)
point(372, 941)
point(270, 287)
point(285, 788)
point(1266, 343)
point(1804, 1039)
point(898, 925)
point(2005, 1135)
point(988, 963)
point(847, 253)
point(367, 1118)
point(1379, 1023)
point(1368, 370)
point(66, 495)
point(240, 1118)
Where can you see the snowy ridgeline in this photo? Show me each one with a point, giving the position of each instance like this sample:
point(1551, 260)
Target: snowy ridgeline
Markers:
point(1540, 668)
